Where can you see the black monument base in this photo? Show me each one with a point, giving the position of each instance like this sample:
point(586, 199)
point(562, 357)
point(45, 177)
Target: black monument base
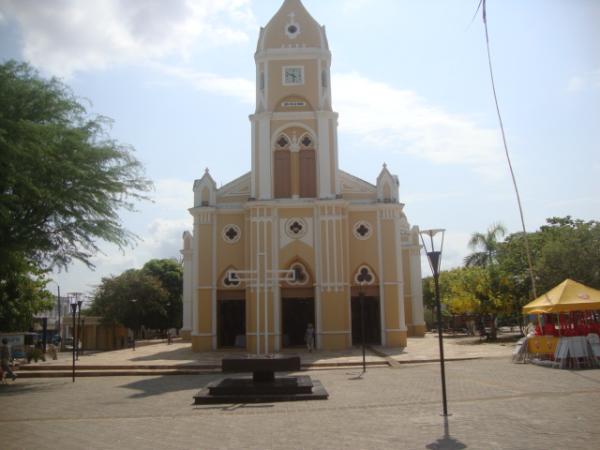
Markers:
point(244, 390)
point(263, 387)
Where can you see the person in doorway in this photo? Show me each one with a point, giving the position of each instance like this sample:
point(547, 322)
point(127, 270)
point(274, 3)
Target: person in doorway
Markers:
point(6, 357)
point(309, 337)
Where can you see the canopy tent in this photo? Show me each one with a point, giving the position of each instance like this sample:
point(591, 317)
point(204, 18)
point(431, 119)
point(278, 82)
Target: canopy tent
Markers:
point(566, 297)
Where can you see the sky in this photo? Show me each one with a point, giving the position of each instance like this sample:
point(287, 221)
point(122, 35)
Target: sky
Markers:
point(410, 82)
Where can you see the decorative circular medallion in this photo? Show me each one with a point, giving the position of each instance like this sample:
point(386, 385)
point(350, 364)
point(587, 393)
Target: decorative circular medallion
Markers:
point(306, 141)
point(231, 233)
point(362, 230)
point(296, 228)
point(292, 28)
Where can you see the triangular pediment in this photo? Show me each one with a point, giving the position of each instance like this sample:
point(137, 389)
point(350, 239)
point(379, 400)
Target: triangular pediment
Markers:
point(238, 187)
point(354, 185)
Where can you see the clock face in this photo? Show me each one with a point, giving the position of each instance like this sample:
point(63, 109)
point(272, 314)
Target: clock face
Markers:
point(293, 75)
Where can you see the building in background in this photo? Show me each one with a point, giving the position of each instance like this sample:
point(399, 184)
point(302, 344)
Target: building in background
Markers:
point(297, 213)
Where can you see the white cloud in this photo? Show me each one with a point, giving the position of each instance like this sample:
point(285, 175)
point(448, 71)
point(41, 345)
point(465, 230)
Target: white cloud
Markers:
point(65, 36)
point(587, 81)
point(174, 194)
point(384, 117)
point(236, 87)
point(164, 239)
point(401, 120)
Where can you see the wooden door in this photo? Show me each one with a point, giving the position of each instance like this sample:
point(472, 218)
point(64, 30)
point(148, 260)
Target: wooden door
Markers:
point(308, 174)
point(282, 174)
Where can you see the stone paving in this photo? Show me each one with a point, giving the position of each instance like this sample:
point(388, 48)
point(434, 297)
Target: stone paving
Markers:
point(494, 404)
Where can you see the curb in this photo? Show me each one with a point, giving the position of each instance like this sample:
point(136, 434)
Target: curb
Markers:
point(64, 371)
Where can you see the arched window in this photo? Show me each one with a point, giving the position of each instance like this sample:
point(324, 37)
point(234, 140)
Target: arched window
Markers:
point(387, 193)
point(282, 168)
point(308, 167)
point(205, 196)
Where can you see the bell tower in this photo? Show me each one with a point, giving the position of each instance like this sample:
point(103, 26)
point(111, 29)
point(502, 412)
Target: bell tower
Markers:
point(294, 129)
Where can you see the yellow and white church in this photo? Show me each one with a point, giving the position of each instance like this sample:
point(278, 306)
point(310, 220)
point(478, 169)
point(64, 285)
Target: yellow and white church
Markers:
point(297, 240)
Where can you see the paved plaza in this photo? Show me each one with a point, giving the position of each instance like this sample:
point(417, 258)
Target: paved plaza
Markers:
point(494, 404)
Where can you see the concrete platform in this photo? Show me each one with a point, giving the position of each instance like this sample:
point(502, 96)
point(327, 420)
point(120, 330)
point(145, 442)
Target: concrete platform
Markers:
point(245, 390)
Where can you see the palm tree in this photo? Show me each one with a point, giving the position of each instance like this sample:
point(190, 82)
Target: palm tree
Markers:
point(485, 246)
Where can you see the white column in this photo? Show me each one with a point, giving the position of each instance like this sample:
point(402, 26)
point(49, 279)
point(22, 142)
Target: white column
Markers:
point(214, 281)
point(324, 156)
point(264, 157)
point(399, 271)
point(254, 158)
point(318, 274)
point(416, 284)
point(195, 281)
point(275, 229)
point(188, 273)
point(380, 212)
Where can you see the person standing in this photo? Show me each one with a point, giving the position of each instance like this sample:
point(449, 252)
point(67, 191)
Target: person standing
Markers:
point(309, 337)
point(6, 357)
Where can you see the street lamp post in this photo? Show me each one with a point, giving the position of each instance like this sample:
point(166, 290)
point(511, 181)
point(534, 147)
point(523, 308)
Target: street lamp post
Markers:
point(79, 303)
point(134, 301)
point(435, 257)
point(59, 306)
point(363, 278)
point(74, 312)
point(82, 336)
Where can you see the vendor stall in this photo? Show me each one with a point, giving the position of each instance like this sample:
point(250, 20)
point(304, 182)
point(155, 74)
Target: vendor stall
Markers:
point(568, 326)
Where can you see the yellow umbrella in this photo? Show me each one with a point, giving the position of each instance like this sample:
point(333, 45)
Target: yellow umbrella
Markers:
point(566, 297)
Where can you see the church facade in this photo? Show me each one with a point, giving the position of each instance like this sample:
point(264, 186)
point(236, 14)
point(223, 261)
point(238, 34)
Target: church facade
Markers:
point(297, 240)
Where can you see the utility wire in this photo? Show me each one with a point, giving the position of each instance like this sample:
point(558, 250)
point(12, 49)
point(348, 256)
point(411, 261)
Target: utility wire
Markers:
point(482, 6)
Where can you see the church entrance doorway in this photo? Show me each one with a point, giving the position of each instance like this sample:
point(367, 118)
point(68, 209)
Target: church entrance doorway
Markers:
point(372, 321)
point(231, 323)
point(296, 314)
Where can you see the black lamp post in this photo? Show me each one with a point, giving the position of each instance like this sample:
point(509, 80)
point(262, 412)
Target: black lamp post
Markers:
point(169, 323)
point(82, 336)
point(134, 301)
point(79, 303)
point(363, 278)
point(59, 306)
point(435, 257)
point(74, 312)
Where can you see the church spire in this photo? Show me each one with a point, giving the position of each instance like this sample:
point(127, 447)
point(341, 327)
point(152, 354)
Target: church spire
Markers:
point(292, 27)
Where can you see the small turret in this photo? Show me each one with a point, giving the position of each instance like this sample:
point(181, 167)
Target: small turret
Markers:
point(205, 191)
point(387, 186)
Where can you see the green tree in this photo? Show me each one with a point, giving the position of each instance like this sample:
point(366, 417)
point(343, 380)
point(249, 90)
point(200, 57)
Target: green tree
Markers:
point(22, 294)
point(485, 246)
point(563, 248)
point(62, 178)
point(478, 290)
point(62, 182)
point(134, 299)
point(170, 274)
